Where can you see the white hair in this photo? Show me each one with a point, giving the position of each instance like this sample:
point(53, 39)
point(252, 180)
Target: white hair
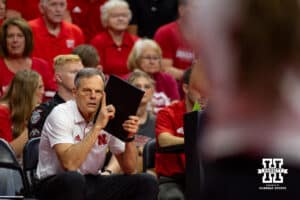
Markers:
point(110, 4)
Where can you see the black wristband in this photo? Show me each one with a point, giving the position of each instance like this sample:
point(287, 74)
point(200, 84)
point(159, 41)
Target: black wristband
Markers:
point(129, 139)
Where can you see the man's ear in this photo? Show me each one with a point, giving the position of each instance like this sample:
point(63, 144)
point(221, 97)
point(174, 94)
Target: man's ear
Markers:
point(74, 91)
point(41, 7)
point(58, 77)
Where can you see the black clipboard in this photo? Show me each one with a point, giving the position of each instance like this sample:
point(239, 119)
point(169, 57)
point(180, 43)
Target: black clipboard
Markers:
point(126, 99)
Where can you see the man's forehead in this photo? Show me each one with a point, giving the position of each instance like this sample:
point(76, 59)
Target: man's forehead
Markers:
point(94, 81)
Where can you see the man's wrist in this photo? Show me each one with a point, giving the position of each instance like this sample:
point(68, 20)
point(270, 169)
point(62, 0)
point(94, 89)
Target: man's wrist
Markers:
point(129, 139)
point(108, 171)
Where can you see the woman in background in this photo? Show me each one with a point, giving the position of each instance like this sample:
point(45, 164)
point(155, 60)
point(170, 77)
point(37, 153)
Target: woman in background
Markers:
point(146, 130)
point(16, 45)
point(23, 94)
point(115, 43)
point(146, 56)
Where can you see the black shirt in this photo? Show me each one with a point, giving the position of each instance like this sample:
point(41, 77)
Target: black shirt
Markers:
point(149, 15)
point(39, 115)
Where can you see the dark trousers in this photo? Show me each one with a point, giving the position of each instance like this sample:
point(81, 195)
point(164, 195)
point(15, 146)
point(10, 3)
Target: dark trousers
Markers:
point(73, 185)
point(171, 188)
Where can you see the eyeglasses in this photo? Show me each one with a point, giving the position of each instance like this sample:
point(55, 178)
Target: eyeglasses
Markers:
point(118, 15)
point(149, 58)
point(143, 87)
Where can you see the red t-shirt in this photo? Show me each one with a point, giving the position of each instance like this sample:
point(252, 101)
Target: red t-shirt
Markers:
point(113, 58)
point(166, 83)
point(28, 8)
point(174, 46)
point(5, 124)
point(48, 46)
point(170, 119)
point(39, 65)
point(86, 14)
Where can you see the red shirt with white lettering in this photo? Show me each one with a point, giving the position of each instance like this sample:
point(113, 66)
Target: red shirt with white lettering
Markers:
point(113, 58)
point(174, 46)
point(47, 46)
point(170, 119)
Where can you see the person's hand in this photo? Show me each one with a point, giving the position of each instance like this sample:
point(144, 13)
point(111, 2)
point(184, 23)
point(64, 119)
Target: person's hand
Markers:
point(131, 125)
point(106, 113)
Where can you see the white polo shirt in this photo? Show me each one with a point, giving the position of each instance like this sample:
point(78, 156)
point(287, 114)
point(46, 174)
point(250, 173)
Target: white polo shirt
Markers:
point(65, 124)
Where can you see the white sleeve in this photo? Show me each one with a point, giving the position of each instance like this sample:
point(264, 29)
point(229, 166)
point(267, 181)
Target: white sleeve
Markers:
point(116, 146)
point(58, 127)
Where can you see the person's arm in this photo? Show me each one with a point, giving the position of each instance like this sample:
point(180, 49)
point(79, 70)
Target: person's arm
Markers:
point(71, 156)
point(128, 159)
point(166, 139)
point(167, 66)
point(18, 143)
point(112, 166)
point(10, 13)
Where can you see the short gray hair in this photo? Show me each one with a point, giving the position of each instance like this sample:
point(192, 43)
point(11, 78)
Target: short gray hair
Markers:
point(110, 4)
point(87, 73)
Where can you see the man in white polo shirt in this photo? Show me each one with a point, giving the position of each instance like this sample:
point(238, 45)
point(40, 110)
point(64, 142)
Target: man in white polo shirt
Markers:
point(73, 149)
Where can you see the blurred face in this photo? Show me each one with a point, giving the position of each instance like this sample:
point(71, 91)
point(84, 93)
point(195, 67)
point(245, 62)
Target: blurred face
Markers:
point(15, 41)
point(192, 95)
point(145, 85)
point(66, 75)
point(118, 19)
point(54, 10)
point(2, 9)
point(40, 91)
point(88, 95)
point(150, 61)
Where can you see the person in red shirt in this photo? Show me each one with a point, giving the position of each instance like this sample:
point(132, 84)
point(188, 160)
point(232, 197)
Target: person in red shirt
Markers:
point(170, 167)
point(28, 9)
point(83, 11)
point(52, 35)
point(16, 44)
point(177, 53)
point(24, 93)
point(115, 43)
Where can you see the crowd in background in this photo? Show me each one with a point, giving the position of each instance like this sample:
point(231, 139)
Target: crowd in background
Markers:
point(60, 53)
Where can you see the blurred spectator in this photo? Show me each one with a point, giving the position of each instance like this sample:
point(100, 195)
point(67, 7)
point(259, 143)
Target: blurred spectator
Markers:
point(146, 56)
point(86, 14)
point(251, 55)
point(115, 43)
point(146, 129)
point(177, 54)
point(66, 67)
point(24, 93)
point(170, 167)
point(16, 47)
point(52, 35)
point(2, 11)
point(88, 55)
point(149, 15)
point(27, 9)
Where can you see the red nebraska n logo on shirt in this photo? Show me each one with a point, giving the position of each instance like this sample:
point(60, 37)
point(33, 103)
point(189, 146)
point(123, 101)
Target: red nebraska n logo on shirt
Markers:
point(102, 139)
